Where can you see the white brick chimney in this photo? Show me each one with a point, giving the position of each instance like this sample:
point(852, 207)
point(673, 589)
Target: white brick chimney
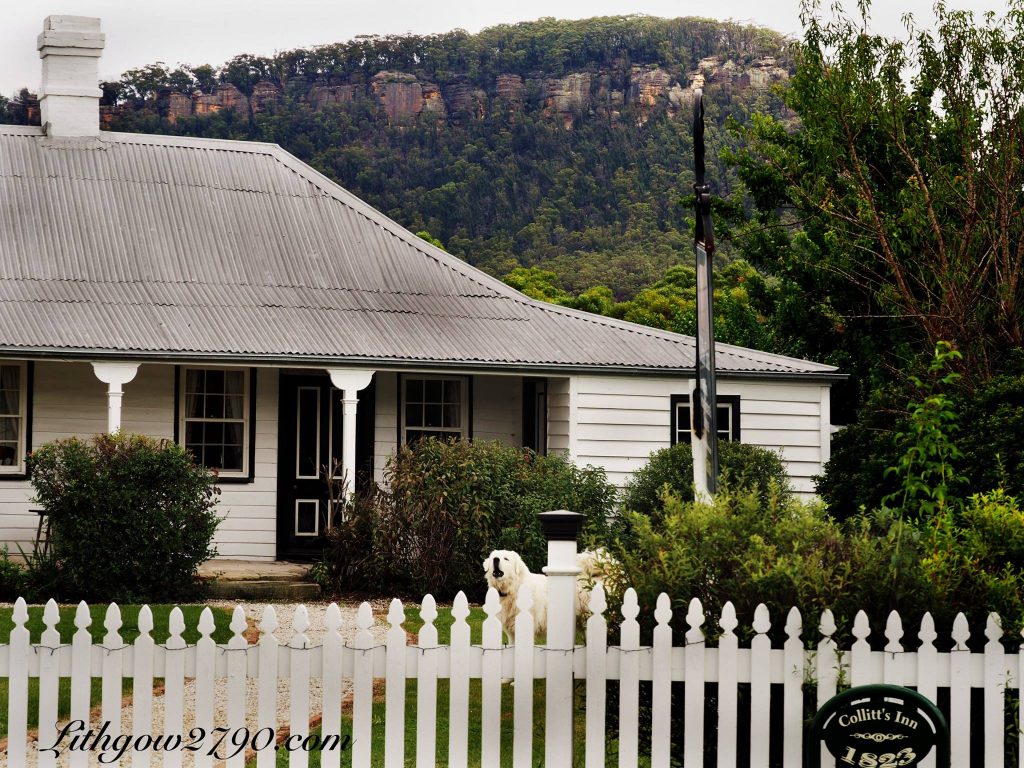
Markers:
point(69, 97)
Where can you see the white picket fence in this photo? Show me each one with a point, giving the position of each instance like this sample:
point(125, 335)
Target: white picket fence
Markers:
point(811, 659)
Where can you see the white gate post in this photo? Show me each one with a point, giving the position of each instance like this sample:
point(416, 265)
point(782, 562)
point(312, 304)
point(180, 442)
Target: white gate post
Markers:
point(561, 529)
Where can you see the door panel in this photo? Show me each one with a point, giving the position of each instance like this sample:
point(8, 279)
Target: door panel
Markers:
point(309, 442)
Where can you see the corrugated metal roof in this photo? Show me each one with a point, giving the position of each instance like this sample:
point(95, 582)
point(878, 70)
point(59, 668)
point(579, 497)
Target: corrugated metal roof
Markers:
point(137, 244)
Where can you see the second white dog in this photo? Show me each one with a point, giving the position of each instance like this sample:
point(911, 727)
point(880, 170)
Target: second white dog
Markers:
point(507, 573)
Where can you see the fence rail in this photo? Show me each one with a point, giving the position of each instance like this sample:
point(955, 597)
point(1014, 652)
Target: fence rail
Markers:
point(805, 659)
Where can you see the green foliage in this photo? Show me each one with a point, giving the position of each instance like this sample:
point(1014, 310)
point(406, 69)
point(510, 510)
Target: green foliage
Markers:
point(983, 452)
point(901, 186)
point(856, 476)
point(991, 427)
point(786, 553)
point(926, 467)
point(131, 517)
point(782, 553)
point(974, 557)
point(742, 467)
point(12, 578)
point(450, 503)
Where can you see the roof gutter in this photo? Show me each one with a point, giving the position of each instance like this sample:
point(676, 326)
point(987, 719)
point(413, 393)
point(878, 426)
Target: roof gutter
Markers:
point(377, 363)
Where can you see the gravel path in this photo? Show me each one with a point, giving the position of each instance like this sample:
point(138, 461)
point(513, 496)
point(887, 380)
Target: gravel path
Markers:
point(254, 613)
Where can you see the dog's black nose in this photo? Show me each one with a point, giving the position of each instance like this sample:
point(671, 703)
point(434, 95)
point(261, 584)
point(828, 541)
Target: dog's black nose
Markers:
point(498, 573)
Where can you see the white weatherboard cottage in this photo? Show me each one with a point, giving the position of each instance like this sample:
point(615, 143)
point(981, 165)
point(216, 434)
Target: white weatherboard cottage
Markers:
point(225, 295)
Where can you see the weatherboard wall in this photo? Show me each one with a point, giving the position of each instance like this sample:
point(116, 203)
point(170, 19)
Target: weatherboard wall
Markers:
point(616, 422)
point(68, 400)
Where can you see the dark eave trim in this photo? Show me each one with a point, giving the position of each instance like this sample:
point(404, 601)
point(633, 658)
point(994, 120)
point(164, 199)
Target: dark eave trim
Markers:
point(383, 363)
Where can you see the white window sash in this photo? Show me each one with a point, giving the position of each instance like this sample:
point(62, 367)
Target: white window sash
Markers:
point(18, 468)
point(184, 420)
point(463, 405)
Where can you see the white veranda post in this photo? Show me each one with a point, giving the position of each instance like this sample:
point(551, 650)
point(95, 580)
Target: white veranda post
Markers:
point(561, 529)
point(115, 376)
point(349, 381)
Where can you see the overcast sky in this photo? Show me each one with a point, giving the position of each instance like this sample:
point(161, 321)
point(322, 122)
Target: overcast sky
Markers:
point(211, 31)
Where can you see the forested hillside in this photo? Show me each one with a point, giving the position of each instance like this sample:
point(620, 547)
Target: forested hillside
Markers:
point(556, 144)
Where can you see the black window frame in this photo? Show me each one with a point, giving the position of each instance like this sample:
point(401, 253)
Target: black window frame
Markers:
point(732, 400)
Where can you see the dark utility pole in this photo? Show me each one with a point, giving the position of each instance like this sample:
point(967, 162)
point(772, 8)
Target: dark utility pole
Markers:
point(703, 407)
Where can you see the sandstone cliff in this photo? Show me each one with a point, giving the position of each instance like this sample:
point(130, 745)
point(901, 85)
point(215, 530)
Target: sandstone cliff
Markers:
point(404, 98)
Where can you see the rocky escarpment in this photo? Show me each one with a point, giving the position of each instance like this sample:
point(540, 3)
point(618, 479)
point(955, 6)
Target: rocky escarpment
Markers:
point(405, 98)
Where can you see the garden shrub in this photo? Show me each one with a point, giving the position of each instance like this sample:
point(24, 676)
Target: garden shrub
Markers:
point(741, 466)
point(792, 553)
point(131, 517)
point(12, 578)
point(447, 504)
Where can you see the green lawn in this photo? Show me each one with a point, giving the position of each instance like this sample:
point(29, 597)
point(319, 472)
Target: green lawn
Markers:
point(443, 624)
point(129, 631)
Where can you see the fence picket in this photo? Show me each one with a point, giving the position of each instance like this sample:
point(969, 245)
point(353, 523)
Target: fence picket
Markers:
point(760, 688)
point(928, 670)
point(394, 693)
point(142, 686)
point(17, 686)
point(266, 695)
point(174, 689)
point(522, 704)
point(792, 693)
point(81, 678)
point(458, 685)
point(661, 686)
point(237, 653)
point(113, 672)
point(728, 658)
point(693, 695)
point(490, 684)
point(629, 681)
point(994, 695)
point(206, 651)
point(298, 705)
point(49, 668)
point(960, 694)
point(597, 685)
point(860, 651)
point(330, 724)
point(893, 671)
point(829, 667)
point(426, 689)
point(362, 688)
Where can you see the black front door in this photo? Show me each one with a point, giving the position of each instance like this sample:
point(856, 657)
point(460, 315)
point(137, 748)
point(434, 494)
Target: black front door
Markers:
point(309, 454)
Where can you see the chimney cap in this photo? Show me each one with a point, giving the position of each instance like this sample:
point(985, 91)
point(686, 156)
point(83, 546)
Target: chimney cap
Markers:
point(79, 32)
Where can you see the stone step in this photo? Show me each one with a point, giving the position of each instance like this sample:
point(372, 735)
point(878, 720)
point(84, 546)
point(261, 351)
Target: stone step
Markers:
point(264, 589)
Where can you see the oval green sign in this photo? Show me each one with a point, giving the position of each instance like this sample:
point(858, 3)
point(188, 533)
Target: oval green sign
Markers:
point(878, 734)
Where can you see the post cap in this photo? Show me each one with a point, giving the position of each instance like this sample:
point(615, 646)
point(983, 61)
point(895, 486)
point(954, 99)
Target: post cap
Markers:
point(561, 525)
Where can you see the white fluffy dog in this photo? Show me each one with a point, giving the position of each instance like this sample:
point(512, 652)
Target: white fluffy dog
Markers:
point(507, 573)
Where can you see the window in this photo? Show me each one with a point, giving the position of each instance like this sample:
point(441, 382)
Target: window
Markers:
point(434, 406)
point(216, 417)
point(728, 418)
point(13, 417)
